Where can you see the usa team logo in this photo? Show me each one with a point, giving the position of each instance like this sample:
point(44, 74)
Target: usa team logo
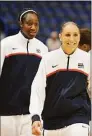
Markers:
point(80, 65)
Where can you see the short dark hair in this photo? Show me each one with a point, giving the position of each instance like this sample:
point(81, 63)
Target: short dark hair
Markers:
point(24, 12)
point(85, 36)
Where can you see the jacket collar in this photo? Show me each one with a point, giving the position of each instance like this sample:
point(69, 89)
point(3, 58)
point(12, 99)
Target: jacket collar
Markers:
point(24, 34)
point(74, 53)
point(23, 38)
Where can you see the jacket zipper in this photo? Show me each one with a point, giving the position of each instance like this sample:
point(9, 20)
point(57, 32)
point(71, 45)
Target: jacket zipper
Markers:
point(27, 46)
point(68, 62)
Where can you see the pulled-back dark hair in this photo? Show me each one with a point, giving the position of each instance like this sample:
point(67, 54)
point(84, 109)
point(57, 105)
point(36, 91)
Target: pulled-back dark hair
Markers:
point(24, 12)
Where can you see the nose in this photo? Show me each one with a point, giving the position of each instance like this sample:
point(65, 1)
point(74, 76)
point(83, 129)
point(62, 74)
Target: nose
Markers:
point(72, 38)
point(33, 27)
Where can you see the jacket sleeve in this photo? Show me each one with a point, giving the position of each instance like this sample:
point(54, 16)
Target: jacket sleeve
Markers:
point(38, 92)
point(2, 54)
point(89, 78)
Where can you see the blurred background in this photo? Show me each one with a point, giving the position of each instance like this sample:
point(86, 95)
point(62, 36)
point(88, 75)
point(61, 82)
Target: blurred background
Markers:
point(52, 15)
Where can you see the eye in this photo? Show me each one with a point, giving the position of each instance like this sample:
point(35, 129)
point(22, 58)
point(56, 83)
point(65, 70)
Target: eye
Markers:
point(31, 23)
point(28, 23)
point(67, 35)
point(75, 35)
point(36, 24)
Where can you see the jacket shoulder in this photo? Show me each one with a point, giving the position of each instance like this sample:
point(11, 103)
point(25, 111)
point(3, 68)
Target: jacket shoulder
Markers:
point(84, 56)
point(7, 40)
point(40, 44)
point(83, 53)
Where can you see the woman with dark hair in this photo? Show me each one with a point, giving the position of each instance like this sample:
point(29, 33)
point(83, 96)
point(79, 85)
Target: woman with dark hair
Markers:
point(85, 39)
point(20, 58)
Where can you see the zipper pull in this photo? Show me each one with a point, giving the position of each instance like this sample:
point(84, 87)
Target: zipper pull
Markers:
point(27, 46)
point(68, 62)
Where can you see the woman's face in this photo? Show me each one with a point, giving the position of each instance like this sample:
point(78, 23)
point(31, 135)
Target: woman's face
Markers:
point(30, 25)
point(70, 37)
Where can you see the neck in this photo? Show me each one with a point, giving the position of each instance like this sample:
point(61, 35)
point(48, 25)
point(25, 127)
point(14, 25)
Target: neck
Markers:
point(24, 35)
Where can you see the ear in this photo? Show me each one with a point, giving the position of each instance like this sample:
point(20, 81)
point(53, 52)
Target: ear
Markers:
point(60, 36)
point(21, 24)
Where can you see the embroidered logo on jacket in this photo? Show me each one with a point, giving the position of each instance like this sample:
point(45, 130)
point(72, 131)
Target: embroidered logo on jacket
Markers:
point(80, 65)
point(38, 50)
point(54, 66)
point(14, 48)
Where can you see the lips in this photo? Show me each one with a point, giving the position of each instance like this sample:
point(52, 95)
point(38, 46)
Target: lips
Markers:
point(32, 33)
point(71, 44)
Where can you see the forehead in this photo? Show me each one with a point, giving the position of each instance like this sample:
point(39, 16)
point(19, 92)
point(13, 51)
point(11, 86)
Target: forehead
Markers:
point(70, 28)
point(31, 17)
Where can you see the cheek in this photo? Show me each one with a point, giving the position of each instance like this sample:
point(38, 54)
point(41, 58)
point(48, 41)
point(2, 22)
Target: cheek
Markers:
point(38, 28)
point(26, 28)
point(64, 39)
point(78, 39)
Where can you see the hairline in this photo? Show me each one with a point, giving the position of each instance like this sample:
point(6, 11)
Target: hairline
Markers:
point(65, 24)
point(26, 12)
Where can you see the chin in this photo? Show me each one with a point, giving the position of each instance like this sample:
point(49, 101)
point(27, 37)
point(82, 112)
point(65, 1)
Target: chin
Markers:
point(70, 51)
point(32, 36)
